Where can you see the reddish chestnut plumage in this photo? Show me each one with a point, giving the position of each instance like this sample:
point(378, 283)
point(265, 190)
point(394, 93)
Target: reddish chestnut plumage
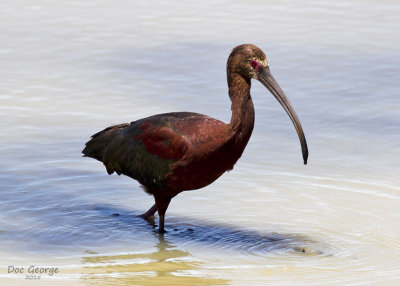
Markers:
point(174, 152)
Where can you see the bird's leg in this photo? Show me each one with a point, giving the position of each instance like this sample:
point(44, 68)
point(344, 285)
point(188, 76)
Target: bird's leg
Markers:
point(162, 205)
point(161, 227)
point(150, 212)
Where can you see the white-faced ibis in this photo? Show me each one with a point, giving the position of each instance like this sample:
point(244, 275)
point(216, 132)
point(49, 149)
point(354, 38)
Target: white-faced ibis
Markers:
point(180, 151)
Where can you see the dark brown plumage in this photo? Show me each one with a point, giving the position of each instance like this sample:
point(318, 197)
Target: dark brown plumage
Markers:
point(174, 152)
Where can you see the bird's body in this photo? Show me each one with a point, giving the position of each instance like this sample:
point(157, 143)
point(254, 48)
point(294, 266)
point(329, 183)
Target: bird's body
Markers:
point(174, 152)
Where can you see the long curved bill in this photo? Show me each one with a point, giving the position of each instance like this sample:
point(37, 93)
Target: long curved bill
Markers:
point(266, 78)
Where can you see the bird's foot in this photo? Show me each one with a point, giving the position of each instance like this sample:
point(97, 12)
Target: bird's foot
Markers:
point(149, 214)
point(149, 219)
point(146, 217)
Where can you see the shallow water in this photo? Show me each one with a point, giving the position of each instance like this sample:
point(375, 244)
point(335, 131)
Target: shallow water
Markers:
point(70, 69)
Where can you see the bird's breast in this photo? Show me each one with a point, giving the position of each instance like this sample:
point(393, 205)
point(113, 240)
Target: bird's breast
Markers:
point(209, 161)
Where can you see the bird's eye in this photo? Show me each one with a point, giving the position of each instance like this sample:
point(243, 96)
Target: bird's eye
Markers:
point(254, 63)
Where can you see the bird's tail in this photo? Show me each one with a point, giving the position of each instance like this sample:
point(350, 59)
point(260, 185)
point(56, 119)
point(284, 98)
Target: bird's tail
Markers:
point(98, 144)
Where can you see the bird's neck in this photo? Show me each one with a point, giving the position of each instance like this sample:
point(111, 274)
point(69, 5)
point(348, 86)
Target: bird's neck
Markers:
point(242, 120)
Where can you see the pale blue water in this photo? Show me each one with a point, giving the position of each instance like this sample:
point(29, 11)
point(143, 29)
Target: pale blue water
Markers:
point(70, 69)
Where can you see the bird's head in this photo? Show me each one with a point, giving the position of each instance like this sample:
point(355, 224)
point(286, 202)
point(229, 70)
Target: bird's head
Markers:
point(246, 60)
point(250, 62)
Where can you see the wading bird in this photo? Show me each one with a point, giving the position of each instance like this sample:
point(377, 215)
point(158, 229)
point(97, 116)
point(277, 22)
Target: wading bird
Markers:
point(174, 152)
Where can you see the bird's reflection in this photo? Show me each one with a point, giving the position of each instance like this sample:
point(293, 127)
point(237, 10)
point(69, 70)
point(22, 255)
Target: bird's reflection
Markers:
point(167, 265)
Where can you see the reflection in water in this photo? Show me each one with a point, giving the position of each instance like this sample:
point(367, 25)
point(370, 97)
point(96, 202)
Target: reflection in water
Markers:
point(205, 235)
point(165, 266)
point(164, 263)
